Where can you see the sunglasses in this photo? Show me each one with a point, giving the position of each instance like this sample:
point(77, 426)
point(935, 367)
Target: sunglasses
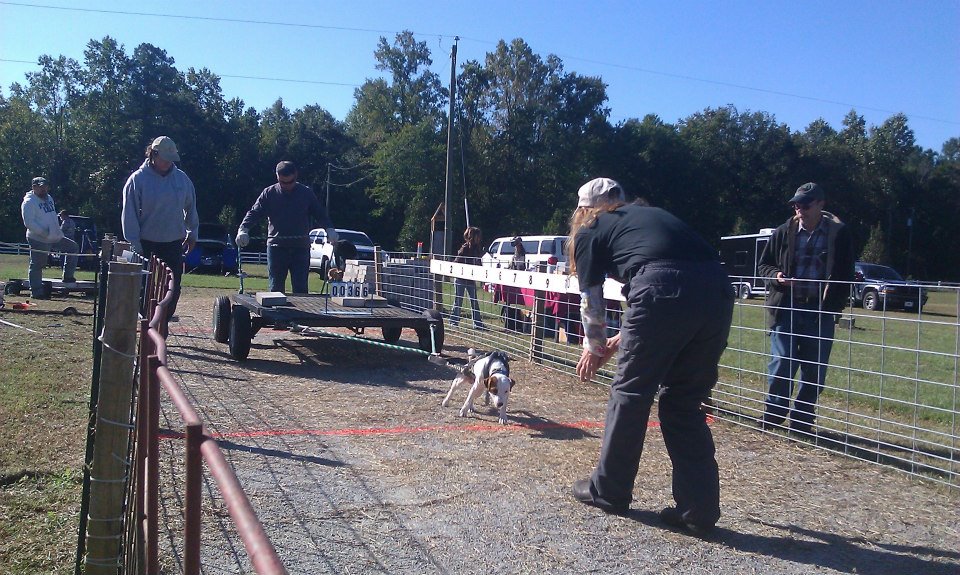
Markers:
point(802, 207)
point(289, 182)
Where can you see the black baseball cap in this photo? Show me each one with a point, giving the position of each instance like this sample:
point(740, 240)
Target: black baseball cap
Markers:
point(807, 193)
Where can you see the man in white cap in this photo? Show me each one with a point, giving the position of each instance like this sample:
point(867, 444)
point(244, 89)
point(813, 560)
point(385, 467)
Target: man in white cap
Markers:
point(43, 235)
point(675, 328)
point(159, 214)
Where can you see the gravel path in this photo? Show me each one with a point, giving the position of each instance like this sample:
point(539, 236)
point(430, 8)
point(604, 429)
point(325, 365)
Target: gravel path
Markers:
point(353, 467)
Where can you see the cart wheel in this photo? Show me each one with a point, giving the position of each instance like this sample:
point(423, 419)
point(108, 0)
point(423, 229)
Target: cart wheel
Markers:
point(240, 333)
point(391, 334)
point(423, 334)
point(221, 319)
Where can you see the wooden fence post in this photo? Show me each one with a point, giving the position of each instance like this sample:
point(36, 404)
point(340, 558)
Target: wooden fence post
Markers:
point(109, 469)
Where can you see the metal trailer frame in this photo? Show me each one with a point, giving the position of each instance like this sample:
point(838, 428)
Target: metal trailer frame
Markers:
point(237, 319)
point(15, 286)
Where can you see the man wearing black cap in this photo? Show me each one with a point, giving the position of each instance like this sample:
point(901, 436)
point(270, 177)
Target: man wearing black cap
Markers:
point(806, 261)
point(289, 208)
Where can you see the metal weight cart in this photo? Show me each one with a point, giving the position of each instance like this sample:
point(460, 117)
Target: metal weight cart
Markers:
point(238, 317)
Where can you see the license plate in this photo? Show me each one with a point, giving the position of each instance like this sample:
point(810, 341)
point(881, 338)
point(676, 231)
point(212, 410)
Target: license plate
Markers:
point(349, 289)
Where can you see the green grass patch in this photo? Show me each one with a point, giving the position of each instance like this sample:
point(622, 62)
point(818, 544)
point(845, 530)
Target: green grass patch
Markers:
point(43, 407)
point(888, 365)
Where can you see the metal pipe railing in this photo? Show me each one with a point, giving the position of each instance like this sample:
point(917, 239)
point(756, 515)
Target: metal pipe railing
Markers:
point(199, 448)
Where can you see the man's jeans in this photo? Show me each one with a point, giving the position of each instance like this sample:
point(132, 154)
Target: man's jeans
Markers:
point(801, 339)
point(295, 260)
point(39, 253)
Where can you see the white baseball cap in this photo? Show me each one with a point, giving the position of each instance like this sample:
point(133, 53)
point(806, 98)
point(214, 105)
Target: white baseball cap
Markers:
point(598, 189)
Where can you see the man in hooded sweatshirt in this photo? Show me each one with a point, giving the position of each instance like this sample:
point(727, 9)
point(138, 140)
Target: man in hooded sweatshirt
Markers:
point(44, 235)
point(159, 214)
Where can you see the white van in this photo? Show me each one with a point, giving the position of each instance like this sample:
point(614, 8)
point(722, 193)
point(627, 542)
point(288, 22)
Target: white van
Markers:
point(540, 249)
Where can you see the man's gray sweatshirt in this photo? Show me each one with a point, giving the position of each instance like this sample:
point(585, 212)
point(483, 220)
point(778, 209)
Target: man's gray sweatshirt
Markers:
point(158, 208)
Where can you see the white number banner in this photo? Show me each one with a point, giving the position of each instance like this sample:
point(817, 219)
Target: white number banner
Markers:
point(522, 279)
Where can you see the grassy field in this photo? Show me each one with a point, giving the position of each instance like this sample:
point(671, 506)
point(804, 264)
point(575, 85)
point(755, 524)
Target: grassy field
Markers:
point(43, 407)
point(886, 365)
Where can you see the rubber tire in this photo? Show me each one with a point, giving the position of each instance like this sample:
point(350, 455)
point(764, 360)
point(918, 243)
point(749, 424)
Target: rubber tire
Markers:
point(870, 300)
point(241, 332)
point(423, 334)
point(221, 319)
point(391, 334)
point(13, 287)
point(744, 292)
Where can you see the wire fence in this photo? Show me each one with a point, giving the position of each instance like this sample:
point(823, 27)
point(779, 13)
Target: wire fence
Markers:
point(892, 389)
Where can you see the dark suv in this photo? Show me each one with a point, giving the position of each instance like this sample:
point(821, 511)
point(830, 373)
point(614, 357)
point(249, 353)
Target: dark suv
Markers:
point(214, 251)
point(882, 288)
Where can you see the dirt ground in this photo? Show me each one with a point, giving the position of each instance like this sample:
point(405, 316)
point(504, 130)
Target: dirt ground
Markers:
point(354, 467)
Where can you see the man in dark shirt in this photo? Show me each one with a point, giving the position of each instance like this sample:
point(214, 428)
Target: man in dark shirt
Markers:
point(288, 206)
point(807, 262)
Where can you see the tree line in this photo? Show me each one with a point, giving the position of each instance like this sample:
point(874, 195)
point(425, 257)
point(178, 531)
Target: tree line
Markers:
point(527, 132)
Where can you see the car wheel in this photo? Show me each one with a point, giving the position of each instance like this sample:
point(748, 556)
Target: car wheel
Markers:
point(221, 319)
point(423, 334)
point(870, 300)
point(391, 334)
point(744, 291)
point(241, 333)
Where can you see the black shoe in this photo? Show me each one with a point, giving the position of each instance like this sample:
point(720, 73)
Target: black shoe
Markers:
point(768, 423)
point(674, 518)
point(582, 493)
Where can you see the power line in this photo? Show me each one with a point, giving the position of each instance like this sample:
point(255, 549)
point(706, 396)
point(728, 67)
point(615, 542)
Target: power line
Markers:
point(206, 18)
point(751, 88)
point(451, 36)
point(290, 80)
point(293, 80)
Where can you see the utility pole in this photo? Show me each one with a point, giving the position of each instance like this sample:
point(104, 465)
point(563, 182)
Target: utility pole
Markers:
point(328, 189)
point(447, 248)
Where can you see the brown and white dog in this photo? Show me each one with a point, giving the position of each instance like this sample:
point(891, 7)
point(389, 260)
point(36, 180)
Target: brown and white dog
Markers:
point(490, 375)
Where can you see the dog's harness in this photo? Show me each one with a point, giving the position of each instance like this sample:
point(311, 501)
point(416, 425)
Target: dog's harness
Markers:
point(501, 365)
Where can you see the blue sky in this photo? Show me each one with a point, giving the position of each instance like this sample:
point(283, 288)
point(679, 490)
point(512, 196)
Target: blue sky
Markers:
point(796, 60)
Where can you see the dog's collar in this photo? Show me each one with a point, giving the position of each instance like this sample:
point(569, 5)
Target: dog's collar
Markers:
point(499, 369)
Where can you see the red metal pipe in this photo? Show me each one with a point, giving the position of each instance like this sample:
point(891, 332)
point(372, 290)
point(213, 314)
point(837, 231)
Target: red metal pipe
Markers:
point(153, 471)
point(259, 548)
point(192, 524)
point(262, 554)
point(143, 434)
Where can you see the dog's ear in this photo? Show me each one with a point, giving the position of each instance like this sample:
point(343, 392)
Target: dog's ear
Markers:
point(491, 384)
point(512, 383)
